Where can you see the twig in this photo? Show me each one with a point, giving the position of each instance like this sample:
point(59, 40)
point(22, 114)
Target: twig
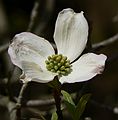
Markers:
point(19, 101)
point(46, 8)
point(4, 47)
point(21, 93)
point(36, 103)
point(34, 113)
point(33, 16)
point(105, 42)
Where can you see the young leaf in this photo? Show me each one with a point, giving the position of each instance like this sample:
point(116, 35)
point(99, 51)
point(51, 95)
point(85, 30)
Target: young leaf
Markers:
point(70, 108)
point(54, 116)
point(81, 106)
point(67, 97)
point(69, 102)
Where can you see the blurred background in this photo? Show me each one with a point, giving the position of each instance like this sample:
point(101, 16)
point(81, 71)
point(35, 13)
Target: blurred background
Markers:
point(16, 17)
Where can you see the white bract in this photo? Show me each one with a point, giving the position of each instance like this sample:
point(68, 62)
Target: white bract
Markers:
point(29, 52)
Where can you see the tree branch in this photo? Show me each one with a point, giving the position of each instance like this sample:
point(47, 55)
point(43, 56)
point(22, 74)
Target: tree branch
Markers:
point(34, 103)
point(33, 16)
point(19, 101)
point(4, 47)
point(105, 42)
point(49, 102)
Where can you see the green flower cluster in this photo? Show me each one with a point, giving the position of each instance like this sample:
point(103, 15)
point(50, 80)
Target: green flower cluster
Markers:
point(58, 64)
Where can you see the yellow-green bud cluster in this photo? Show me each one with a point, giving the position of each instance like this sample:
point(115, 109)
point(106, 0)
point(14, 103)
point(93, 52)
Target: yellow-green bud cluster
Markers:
point(58, 64)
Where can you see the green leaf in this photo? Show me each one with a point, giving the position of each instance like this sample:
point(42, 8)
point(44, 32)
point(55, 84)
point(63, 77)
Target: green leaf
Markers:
point(81, 106)
point(67, 97)
point(54, 116)
point(69, 102)
point(70, 108)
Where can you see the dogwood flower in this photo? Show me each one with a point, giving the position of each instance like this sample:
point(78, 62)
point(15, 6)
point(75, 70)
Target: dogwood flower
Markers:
point(39, 62)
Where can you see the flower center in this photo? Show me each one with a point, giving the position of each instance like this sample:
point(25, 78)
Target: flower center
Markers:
point(58, 64)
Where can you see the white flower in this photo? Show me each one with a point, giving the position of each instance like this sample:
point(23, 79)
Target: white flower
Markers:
point(29, 52)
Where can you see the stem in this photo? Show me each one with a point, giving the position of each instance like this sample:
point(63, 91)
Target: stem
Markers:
point(58, 103)
point(55, 84)
point(19, 101)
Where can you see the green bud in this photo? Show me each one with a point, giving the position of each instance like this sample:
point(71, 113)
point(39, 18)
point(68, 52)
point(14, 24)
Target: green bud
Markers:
point(62, 61)
point(60, 55)
point(67, 64)
point(67, 70)
point(51, 60)
point(47, 62)
point(63, 72)
point(55, 62)
point(48, 67)
point(53, 70)
point(59, 72)
point(55, 67)
point(64, 58)
point(49, 57)
point(54, 57)
point(58, 58)
point(58, 64)
point(51, 65)
point(68, 61)
point(62, 68)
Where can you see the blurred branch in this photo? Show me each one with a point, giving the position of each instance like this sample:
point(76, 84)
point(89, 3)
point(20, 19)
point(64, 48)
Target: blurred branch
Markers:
point(19, 100)
point(4, 47)
point(47, 102)
point(35, 113)
point(12, 111)
point(33, 16)
point(46, 9)
point(115, 18)
point(3, 19)
point(105, 42)
point(34, 103)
